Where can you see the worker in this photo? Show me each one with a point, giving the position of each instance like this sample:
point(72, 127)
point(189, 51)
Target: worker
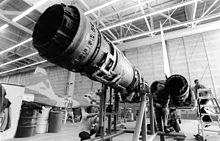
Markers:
point(201, 91)
point(161, 102)
point(89, 122)
point(174, 120)
point(197, 87)
point(5, 118)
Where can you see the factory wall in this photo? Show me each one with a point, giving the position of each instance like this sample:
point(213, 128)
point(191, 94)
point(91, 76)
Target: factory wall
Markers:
point(149, 60)
point(194, 57)
point(84, 85)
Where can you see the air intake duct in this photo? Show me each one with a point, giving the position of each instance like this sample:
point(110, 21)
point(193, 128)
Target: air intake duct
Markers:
point(179, 90)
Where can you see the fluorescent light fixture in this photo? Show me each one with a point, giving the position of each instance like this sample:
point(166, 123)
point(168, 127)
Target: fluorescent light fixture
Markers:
point(23, 67)
point(101, 6)
point(151, 14)
point(24, 13)
point(18, 59)
point(3, 27)
point(167, 28)
point(29, 10)
point(15, 46)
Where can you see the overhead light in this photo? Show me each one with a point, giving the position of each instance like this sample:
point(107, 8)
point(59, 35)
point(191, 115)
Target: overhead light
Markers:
point(3, 27)
point(23, 67)
point(24, 13)
point(36, 6)
point(18, 59)
point(29, 10)
point(15, 46)
point(101, 6)
point(150, 14)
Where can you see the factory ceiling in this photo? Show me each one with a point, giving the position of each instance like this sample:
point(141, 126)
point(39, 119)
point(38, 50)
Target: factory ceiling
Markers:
point(121, 21)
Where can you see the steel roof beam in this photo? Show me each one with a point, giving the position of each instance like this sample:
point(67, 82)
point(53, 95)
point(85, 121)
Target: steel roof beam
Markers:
point(4, 2)
point(150, 14)
point(83, 2)
point(15, 24)
point(170, 27)
point(145, 18)
point(119, 11)
point(210, 7)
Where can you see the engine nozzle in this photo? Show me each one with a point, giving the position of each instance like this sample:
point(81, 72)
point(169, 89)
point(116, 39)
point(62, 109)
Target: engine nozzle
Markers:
point(65, 37)
point(180, 91)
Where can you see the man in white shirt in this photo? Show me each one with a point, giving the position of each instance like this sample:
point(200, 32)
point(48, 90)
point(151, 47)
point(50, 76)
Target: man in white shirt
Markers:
point(89, 122)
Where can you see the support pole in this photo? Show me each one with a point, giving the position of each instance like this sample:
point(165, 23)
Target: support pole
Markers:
point(144, 127)
point(110, 116)
point(102, 110)
point(140, 118)
point(161, 128)
point(116, 110)
point(152, 130)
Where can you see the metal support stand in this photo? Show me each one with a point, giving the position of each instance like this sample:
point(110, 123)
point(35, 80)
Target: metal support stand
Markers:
point(116, 110)
point(109, 130)
point(152, 119)
point(144, 127)
point(140, 119)
point(102, 116)
point(161, 128)
point(140, 124)
point(102, 111)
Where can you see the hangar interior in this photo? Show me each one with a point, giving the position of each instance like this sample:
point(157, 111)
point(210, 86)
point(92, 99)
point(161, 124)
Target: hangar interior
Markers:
point(191, 33)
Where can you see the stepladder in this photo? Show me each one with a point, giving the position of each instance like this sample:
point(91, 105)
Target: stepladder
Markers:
point(208, 114)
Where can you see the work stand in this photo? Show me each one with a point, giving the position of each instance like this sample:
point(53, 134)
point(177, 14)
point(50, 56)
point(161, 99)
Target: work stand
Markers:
point(152, 132)
point(208, 111)
point(109, 114)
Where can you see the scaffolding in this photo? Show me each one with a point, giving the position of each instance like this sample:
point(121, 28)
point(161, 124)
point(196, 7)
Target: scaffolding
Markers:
point(208, 112)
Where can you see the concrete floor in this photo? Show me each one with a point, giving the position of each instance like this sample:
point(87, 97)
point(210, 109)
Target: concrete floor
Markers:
point(70, 132)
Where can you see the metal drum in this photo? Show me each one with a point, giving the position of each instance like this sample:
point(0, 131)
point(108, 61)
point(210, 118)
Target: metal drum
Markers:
point(27, 123)
point(42, 120)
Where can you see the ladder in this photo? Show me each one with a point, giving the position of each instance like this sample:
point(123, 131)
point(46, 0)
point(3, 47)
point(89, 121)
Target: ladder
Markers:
point(208, 113)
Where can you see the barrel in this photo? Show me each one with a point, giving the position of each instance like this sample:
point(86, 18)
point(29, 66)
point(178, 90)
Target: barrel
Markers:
point(55, 121)
point(42, 120)
point(27, 123)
